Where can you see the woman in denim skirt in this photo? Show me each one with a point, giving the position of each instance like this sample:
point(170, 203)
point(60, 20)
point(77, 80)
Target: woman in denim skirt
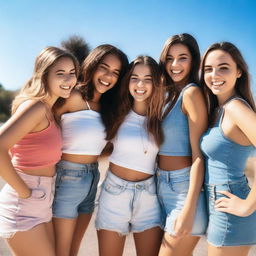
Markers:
point(128, 200)
point(85, 117)
point(228, 142)
point(180, 164)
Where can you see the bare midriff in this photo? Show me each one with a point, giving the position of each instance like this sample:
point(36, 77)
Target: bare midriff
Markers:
point(172, 163)
point(128, 174)
point(46, 171)
point(80, 159)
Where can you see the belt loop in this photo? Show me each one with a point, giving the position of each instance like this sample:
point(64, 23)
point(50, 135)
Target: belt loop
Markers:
point(214, 193)
point(168, 178)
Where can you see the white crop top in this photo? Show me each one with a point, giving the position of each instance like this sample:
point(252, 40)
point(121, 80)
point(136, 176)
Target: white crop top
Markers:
point(83, 132)
point(134, 148)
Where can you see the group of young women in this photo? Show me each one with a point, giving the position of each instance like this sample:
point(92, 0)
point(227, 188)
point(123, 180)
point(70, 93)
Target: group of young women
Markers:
point(176, 171)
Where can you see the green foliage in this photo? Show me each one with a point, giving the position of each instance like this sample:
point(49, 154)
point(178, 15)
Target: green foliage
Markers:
point(6, 98)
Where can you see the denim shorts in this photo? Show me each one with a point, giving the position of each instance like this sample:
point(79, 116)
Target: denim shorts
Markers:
point(126, 206)
point(76, 187)
point(20, 214)
point(226, 229)
point(172, 189)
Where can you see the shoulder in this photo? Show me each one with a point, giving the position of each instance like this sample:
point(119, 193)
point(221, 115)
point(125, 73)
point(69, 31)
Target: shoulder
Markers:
point(192, 90)
point(75, 102)
point(193, 95)
point(32, 107)
point(237, 107)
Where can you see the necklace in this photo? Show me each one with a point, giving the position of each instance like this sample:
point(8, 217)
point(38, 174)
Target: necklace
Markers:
point(144, 145)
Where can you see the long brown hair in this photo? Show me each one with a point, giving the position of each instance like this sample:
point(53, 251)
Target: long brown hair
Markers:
point(242, 86)
point(36, 87)
point(108, 100)
point(191, 43)
point(154, 110)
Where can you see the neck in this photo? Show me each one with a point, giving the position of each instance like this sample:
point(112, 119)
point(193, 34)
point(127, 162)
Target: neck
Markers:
point(50, 101)
point(96, 97)
point(140, 108)
point(223, 98)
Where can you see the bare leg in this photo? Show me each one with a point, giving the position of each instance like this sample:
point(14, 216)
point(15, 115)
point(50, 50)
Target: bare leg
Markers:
point(226, 251)
point(148, 242)
point(110, 243)
point(35, 241)
point(64, 230)
point(81, 226)
point(172, 246)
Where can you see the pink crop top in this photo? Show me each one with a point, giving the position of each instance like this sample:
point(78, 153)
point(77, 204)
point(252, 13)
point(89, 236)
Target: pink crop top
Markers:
point(38, 149)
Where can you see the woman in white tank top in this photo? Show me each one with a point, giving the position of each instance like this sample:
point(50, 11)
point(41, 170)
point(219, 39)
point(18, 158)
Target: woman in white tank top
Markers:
point(128, 200)
point(85, 118)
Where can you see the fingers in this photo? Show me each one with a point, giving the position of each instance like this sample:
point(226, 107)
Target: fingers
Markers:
point(226, 193)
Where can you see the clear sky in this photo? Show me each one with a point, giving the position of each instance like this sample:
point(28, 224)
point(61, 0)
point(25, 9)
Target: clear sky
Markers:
point(135, 26)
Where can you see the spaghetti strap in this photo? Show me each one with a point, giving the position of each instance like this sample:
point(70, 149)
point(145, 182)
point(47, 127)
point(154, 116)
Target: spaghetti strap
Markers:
point(88, 105)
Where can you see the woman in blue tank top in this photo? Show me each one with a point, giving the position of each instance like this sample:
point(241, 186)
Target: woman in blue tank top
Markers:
point(180, 165)
point(228, 142)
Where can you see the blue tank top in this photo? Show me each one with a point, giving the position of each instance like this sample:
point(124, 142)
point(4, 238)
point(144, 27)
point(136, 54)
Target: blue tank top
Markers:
point(225, 159)
point(176, 130)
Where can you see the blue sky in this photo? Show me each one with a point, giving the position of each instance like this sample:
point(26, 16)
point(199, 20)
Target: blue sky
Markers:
point(135, 26)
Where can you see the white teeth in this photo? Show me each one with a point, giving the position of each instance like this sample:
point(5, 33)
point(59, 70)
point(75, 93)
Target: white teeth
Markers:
point(217, 83)
point(104, 83)
point(65, 87)
point(138, 91)
point(176, 71)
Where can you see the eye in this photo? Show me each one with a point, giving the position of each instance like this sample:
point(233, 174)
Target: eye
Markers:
point(148, 80)
point(59, 74)
point(116, 74)
point(183, 58)
point(73, 73)
point(169, 59)
point(224, 68)
point(207, 70)
point(133, 79)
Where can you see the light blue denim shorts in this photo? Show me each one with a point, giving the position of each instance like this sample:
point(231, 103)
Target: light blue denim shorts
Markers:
point(172, 189)
point(226, 229)
point(126, 206)
point(75, 190)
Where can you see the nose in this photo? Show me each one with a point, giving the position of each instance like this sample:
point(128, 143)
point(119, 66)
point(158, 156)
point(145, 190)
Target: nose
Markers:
point(214, 72)
point(174, 62)
point(140, 83)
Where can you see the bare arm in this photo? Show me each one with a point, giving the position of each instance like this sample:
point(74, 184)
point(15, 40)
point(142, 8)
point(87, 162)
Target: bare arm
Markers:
point(195, 108)
point(245, 119)
point(25, 119)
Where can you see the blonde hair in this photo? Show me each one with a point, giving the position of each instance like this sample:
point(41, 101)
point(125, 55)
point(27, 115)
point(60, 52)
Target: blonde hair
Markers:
point(36, 87)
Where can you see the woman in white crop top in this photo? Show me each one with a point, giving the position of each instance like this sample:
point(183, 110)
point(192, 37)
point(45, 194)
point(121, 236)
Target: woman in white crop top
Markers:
point(85, 120)
point(128, 200)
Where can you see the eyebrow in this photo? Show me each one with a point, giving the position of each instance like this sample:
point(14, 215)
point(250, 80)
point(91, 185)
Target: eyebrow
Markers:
point(182, 54)
point(103, 63)
point(221, 64)
point(61, 70)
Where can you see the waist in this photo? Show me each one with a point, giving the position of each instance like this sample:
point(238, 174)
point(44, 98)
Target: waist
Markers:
point(80, 159)
point(130, 184)
point(63, 164)
point(44, 172)
point(128, 174)
point(172, 163)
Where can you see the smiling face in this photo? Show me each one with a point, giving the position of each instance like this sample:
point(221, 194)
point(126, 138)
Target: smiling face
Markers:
point(178, 63)
point(220, 74)
point(61, 78)
point(106, 74)
point(141, 84)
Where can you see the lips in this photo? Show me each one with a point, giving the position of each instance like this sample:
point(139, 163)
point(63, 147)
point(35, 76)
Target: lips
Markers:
point(218, 83)
point(65, 87)
point(103, 82)
point(140, 92)
point(176, 72)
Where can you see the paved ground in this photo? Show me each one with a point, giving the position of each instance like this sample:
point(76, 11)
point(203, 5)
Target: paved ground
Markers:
point(89, 244)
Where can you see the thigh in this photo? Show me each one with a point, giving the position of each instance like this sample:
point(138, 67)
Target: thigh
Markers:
point(148, 242)
point(224, 251)
point(33, 242)
point(82, 223)
point(173, 246)
point(64, 230)
point(110, 243)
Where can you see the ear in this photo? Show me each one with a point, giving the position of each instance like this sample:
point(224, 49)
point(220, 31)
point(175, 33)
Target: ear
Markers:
point(239, 73)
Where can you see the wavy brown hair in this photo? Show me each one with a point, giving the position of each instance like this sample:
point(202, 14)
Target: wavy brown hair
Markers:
point(191, 43)
point(108, 100)
point(154, 111)
point(36, 87)
point(242, 86)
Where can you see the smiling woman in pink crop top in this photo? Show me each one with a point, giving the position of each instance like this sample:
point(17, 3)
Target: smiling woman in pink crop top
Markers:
point(30, 147)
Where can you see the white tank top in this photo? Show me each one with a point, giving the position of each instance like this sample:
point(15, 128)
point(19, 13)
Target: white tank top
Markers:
point(134, 148)
point(83, 132)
